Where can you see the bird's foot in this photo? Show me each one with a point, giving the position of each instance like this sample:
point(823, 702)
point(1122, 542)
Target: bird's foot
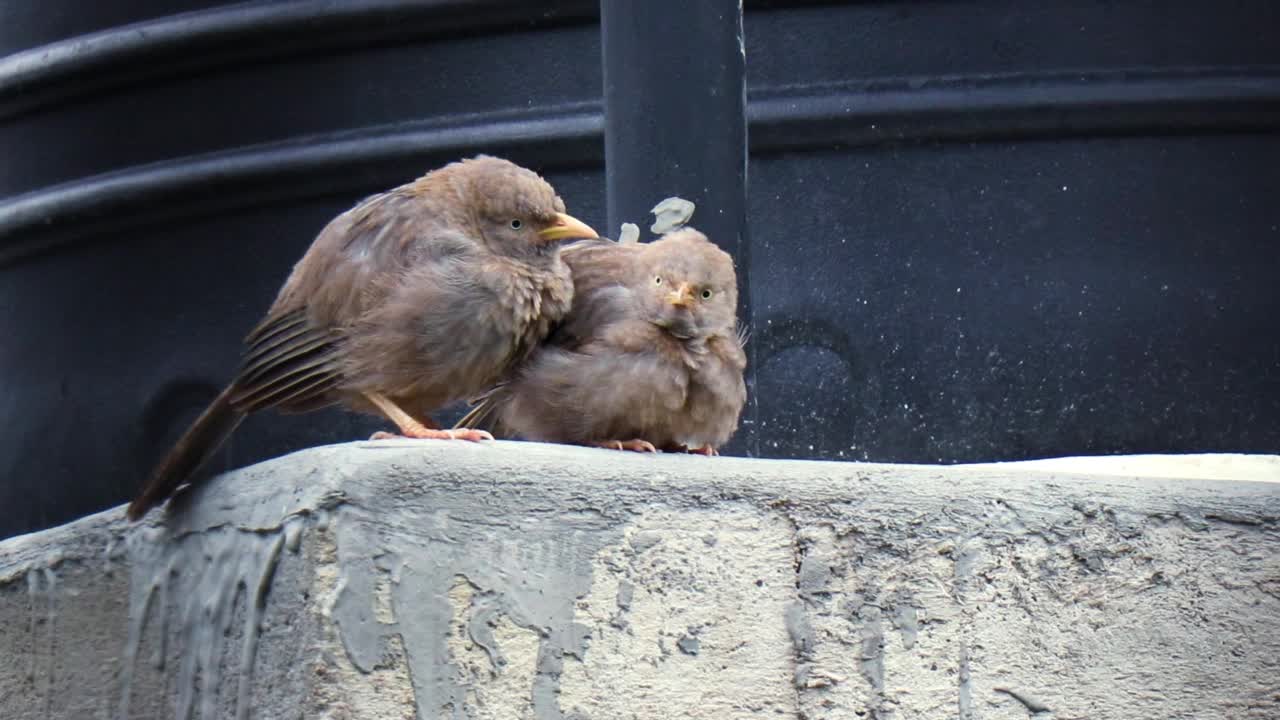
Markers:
point(411, 427)
point(425, 433)
point(636, 445)
point(704, 450)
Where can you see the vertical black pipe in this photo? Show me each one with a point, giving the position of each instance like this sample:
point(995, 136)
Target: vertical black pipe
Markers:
point(675, 122)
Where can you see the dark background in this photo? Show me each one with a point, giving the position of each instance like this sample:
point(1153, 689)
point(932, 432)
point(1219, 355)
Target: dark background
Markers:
point(978, 230)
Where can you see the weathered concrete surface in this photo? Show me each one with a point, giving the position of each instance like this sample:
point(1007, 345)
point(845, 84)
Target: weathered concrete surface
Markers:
point(451, 580)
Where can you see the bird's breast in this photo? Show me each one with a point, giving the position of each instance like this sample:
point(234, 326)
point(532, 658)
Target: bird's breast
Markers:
point(538, 300)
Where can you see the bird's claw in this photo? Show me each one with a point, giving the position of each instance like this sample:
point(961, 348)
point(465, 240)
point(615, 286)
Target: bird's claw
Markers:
point(431, 434)
point(635, 445)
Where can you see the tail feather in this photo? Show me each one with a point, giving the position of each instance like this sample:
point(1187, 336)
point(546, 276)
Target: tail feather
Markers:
point(483, 414)
point(201, 440)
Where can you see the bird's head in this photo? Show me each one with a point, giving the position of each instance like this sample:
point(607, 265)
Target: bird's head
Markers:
point(688, 286)
point(516, 212)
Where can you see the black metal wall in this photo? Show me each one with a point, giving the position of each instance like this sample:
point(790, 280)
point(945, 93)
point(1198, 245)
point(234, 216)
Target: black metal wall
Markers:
point(984, 230)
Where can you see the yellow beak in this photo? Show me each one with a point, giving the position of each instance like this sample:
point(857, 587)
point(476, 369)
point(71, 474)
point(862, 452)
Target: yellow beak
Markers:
point(567, 226)
point(681, 297)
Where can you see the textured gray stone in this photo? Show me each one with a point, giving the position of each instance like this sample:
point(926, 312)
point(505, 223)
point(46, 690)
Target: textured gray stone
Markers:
point(454, 580)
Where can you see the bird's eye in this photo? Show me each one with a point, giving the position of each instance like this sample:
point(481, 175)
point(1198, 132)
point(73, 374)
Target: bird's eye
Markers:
point(706, 294)
point(516, 224)
point(657, 280)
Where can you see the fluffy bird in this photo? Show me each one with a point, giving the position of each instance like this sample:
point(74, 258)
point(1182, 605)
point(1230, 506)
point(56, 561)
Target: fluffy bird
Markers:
point(648, 358)
point(413, 299)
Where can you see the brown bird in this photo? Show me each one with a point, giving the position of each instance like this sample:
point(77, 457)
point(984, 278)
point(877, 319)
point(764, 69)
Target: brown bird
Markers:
point(649, 357)
point(413, 299)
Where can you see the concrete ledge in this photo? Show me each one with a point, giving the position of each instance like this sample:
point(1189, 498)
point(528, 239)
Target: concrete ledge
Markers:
point(511, 580)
